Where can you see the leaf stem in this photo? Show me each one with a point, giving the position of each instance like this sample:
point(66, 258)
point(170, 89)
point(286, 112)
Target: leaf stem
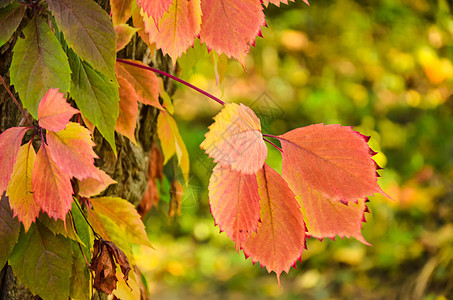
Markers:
point(26, 116)
point(172, 77)
point(275, 146)
point(81, 211)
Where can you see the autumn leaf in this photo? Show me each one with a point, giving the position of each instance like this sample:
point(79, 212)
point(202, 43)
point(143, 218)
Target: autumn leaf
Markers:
point(331, 159)
point(176, 193)
point(51, 186)
point(144, 82)
point(125, 215)
point(234, 202)
point(124, 34)
point(90, 186)
point(280, 239)
point(155, 172)
point(327, 218)
point(121, 11)
point(54, 112)
point(155, 9)
point(72, 151)
point(277, 2)
point(127, 118)
point(231, 26)
point(9, 230)
point(10, 141)
point(20, 189)
point(172, 143)
point(235, 139)
point(138, 18)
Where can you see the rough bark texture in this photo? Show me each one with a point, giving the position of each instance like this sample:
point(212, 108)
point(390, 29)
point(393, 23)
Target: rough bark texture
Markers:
point(129, 168)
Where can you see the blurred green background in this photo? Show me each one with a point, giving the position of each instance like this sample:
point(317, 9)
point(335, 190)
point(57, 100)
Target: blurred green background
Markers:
point(382, 66)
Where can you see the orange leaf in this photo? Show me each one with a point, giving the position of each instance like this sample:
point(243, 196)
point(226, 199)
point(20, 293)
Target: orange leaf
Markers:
point(178, 28)
point(51, 187)
point(138, 18)
point(72, 151)
point(280, 238)
point(54, 112)
point(155, 168)
point(20, 190)
point(327, 218)
point(155, 9)
point(10, 141)
point(331, 159)
point(235, 203)
point(143, 81)
point(230, 26)
point(124, 34)
point(235, 139)
point(121, 11)
point(90, 186)
point(127, 118)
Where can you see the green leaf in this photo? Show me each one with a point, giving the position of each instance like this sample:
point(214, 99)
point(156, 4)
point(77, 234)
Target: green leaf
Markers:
point(80, 279)
point(42, 262)
point(9, 230)
point(39, 63)
point(88, 31)
point(10, 17)
point(82, 228)
point(96, 97)
point(59, 227)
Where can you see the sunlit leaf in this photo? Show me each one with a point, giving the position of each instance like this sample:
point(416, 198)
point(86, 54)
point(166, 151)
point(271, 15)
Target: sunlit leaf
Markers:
point(155, 9)
point(91, 186)
point(54, 112)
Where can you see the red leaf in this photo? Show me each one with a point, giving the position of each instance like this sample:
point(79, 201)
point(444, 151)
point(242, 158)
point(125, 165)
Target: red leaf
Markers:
point(235, 203)
point(72, 151)
point(20, 190)
point(54, 112)
point(10, 141)
point(331, 159)
point(230, 26)
point(235, 139)
point(280, 238)
point(51, 187)
point(127, 118)
point(326, 218)
point(155, 9)
point(91, 187)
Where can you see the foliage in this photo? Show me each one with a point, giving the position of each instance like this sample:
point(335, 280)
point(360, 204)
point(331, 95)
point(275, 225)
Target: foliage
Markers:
point(70, 52)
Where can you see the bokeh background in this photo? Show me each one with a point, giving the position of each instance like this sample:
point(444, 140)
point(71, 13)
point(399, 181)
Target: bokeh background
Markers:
point(382, 66)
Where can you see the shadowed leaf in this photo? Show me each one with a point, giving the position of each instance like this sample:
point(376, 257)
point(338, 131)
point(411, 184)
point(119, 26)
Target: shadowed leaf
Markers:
point(10, 17)
point(9, 230)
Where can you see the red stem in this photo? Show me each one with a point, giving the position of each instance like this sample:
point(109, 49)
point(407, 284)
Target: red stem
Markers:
point(172, 77)
point(275, 146)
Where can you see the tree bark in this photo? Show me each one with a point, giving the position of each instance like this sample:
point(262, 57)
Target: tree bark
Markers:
point(129, 168)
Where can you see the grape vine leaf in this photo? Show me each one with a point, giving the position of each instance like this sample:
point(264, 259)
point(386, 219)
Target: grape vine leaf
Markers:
point(9, 230)
point(171, 142)
point(235, 139)
point(332, 159)
point(230, 26)
point(20, 190)
point(51, 186)
point(96, 97)
point(54, 112)
point(125, 215)
point(10, 17)
point(124, 34)
point(121, 11)
point(280, 238)
point(39, 63)
point(127, 118)
point(155, 9)
point(72, 151)
point(40, 262)
point(234, 202)
point(91, 186)
point(10, 141)
point(277, 2)
point(145, 83)
point(89, 32)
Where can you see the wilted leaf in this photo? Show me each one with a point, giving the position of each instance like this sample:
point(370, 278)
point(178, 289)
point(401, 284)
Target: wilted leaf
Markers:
point(10, 141)
point(41, 261)
point(331, 159)
point(124, 34)
point(125, 215)
point(280, 238)
point(91, 187)
point(127, 118)
point(20, 189)
point(39, 63)
point(72, 150)
point(235, 203)
point(121, 11)
point(10, 17)
point(54, 112)
point(89, 32)
point(231, 26)
point(51, 187)
point(235, 139)
point(155, 167)
point(9, 230)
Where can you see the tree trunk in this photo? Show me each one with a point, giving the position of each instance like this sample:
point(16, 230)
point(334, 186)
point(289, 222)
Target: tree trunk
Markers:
point(129, 168)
